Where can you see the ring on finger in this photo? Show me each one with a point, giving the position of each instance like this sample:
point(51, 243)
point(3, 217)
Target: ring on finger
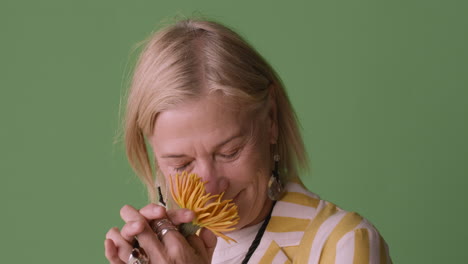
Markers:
point(161, 233)
point(161, 222)
point(162, 226)
point(138, 255)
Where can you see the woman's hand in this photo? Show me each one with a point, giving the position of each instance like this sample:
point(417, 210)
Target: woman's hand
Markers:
point(172, 248)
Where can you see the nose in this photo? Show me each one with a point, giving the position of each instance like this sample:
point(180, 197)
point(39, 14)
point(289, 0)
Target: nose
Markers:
point(214, 182)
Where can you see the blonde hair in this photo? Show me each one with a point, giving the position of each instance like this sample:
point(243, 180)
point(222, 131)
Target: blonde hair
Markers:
point(188, 59)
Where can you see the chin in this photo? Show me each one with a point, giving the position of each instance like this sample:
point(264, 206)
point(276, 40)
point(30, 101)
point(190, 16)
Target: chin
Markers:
point(248, 209)
point(243, 214)
point(246, 215)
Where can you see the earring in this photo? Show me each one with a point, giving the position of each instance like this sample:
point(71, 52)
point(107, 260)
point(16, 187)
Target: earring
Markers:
point(275, 187)
point(161, 197)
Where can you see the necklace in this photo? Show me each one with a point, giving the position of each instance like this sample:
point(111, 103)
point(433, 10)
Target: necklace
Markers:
point(258, 237)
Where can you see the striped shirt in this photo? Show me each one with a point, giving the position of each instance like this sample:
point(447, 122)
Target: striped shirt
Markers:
point(305, 229)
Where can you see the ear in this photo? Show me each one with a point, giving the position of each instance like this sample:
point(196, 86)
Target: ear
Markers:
point(273, 115)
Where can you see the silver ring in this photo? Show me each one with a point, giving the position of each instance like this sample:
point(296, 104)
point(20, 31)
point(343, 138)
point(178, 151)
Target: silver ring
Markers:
point(164, 231)
point(163, 222)
point(162, 226)
point(138, 256)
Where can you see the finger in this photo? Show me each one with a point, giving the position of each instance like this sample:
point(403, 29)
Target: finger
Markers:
point(137, 225)
point(177, 217)
point(153, 211)
point(122, 246)
point(197, 244)
point(149, 241)
point(178, 248)
point(180, 216)
point(128, 213)
point(111, 252)
point(209, 240)
point(131, 229)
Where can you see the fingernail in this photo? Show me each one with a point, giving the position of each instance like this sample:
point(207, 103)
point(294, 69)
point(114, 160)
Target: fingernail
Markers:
point(157, 209)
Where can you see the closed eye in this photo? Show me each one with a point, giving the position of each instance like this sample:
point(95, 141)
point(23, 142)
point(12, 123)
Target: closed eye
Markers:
point(229, 155)
point(182, 168)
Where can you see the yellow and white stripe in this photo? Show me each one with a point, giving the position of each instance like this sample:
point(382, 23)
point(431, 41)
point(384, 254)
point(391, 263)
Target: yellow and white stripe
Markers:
point(305, 229)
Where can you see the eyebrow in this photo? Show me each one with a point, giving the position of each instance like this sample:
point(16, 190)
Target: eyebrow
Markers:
point(175, 156)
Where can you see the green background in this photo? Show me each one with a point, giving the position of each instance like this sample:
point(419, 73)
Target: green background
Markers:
point(380, 87)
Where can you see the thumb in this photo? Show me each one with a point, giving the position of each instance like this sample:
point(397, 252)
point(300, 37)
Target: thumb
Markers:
point(210, 240)
point(204, 244)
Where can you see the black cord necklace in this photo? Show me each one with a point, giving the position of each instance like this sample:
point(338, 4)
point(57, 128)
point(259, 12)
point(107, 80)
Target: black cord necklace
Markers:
point(258, 237)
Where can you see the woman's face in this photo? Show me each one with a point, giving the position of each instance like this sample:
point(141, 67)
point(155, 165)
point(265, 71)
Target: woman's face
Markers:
point(230, 149)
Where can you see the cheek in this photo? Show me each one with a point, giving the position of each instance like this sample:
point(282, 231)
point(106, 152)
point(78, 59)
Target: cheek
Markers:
point(255, 164)
point(249, 170)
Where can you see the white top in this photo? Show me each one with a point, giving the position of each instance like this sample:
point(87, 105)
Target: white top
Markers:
point(234, 253)
point(305, 229)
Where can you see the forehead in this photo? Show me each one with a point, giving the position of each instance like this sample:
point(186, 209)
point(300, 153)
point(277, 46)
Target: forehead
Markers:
point(205, 121)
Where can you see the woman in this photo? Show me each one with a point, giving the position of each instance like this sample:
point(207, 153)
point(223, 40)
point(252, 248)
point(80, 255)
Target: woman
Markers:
point(206, 102)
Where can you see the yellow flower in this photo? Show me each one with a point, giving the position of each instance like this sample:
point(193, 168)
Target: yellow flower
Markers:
point(211, 212)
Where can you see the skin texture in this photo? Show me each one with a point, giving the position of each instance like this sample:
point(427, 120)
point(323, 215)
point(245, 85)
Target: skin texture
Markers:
point(229, 147)
point(194, 249)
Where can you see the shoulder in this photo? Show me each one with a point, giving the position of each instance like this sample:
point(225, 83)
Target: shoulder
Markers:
point(329, 233)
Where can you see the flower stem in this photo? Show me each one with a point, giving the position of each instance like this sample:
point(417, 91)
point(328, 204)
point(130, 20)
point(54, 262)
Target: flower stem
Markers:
point(188, 229)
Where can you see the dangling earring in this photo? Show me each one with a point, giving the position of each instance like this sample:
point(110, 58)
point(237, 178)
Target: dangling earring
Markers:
point(161, 200)
point(275, 187)
point(161, 197)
